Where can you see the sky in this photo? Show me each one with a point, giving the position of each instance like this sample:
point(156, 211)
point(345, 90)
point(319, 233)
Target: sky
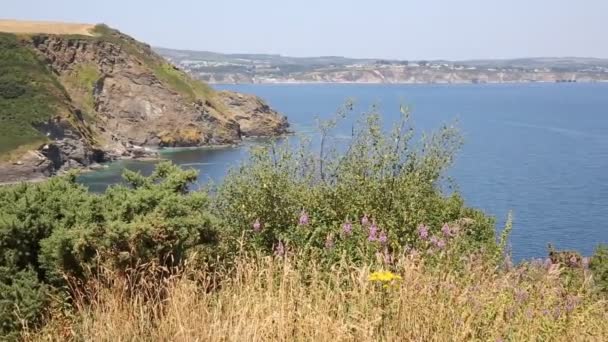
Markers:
point(391, 29)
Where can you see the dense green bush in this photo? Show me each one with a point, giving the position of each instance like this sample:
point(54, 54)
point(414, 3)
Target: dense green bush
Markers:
point(599, 267)
point(57, 233)
point(296, 198)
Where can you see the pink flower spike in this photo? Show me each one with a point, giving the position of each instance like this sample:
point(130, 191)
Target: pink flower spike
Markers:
point(257, 226)
point(303, 218)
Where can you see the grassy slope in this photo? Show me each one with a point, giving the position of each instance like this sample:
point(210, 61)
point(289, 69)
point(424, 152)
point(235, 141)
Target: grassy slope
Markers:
point(29, 94)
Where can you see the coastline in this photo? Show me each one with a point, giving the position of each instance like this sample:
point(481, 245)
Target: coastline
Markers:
point(400, 83)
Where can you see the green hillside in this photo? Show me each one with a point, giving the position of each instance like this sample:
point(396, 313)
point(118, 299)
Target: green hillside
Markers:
point(29, 94)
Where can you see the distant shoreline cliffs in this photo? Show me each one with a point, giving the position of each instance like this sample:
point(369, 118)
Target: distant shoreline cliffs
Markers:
point(75, 95)
point(400, 76)
point(219, 68)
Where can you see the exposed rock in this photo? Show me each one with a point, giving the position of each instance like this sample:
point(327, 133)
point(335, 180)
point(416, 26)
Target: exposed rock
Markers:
point(253, 115)
point(122, 99)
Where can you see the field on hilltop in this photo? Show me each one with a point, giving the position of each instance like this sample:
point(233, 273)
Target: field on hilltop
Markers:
point(18, 26)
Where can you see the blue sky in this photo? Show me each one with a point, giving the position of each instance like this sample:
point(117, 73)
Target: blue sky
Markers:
point(405, 29)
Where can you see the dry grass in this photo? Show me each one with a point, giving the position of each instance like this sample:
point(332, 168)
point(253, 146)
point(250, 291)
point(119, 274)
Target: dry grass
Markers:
point(270, 300)
point(47, 27)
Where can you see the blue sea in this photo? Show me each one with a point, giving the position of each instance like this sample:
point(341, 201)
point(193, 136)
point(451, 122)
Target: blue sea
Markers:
point(538, 150)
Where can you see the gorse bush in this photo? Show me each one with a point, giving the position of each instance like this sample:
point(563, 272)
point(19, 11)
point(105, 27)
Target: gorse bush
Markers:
point(57, 233)
point(599, 266)
point(377, 195)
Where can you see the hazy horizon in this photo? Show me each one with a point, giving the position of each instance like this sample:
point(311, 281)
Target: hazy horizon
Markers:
point(384, 29)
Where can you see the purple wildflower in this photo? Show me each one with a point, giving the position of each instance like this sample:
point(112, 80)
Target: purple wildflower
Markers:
point(437, 242)
point(446, 230)
point(303, 218)
point(257, 226)
point(364, 220)
point(548, 263)
point(329, 241)
point(373, 232)
point(423, 232)
point(347, 228)
point(383, 239)
point(279, 249)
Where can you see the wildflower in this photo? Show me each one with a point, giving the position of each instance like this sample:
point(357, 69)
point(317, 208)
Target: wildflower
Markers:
point(347, 228)
point(257, 226)
point(423, 232)
point(383, 239)
point(446, 230)
point(383, 276)
point(329, 241)
point(437, 242)
point(373, 232)
point(303, 218)
point(279, 250)
point(548, 263)
point(364, 220)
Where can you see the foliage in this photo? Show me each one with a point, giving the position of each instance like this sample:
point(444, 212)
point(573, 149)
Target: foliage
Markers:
point(29, 94)
point(274, 299)
point(59, 231)
point(381, 176)
point(22, 297)
point(83, 79)
point(599, 267)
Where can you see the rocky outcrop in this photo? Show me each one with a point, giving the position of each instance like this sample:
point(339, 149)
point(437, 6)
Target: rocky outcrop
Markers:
point(254, 116)
point(126, 100)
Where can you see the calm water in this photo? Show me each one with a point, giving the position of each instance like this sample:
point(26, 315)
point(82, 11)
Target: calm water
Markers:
point(540, 150)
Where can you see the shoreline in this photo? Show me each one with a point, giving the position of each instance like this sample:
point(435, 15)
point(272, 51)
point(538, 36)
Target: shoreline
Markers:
point(400, 83)
point(157, 157)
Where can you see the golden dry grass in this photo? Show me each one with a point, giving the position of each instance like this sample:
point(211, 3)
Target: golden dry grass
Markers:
point(270, 300)
point(47, 27)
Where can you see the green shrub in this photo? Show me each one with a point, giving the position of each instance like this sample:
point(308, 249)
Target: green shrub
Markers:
point(599, 267)
point(22, 299)
point(380, 175)
point(57, 233)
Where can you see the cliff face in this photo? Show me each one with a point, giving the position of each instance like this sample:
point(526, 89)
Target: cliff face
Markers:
point(120, 97)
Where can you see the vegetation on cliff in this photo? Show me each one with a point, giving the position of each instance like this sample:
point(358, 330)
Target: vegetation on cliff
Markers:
point(29, 95)
point(293, 239)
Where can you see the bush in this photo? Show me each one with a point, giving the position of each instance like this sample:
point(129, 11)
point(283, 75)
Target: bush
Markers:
point(57, 233)
point(599, 267)
point(22, 299)
point(292, 198)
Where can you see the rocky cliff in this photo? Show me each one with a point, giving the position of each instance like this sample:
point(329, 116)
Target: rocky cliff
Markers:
point(103, 96)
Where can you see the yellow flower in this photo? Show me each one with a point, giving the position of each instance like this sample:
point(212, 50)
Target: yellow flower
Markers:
point(383, 276)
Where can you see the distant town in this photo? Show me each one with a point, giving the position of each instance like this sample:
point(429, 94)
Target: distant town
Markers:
point(260, 68)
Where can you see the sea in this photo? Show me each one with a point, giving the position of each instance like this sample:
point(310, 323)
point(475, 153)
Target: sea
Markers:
point(539, 151)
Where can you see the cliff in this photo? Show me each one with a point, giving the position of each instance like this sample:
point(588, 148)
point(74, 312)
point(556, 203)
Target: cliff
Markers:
point(263, 68)
point(72, 99)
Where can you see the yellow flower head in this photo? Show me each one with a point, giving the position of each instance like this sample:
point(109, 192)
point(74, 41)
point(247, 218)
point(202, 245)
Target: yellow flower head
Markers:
point(383, 276)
